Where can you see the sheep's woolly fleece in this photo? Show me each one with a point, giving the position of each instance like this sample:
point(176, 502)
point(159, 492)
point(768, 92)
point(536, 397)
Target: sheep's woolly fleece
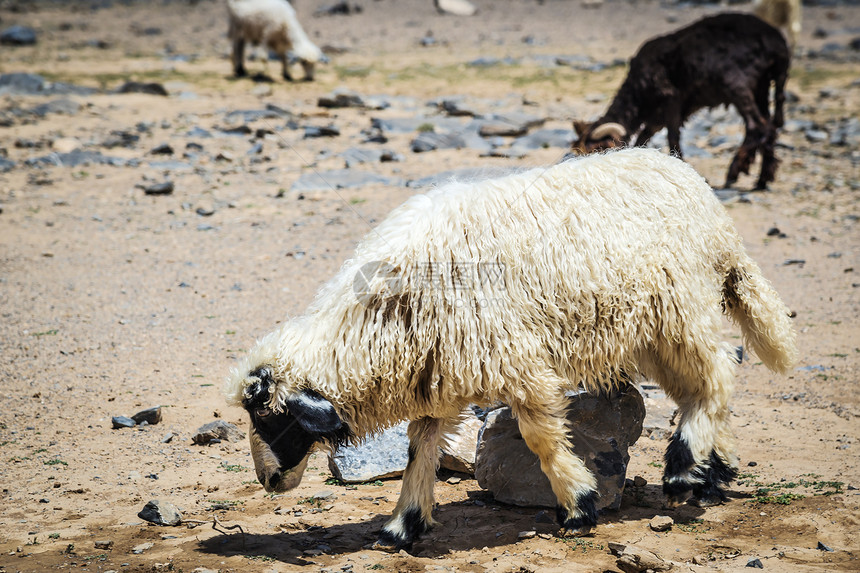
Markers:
point(494, 290)
point(273, 23)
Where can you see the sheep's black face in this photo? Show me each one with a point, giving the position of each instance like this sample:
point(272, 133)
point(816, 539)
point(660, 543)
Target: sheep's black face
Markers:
point(281, 443)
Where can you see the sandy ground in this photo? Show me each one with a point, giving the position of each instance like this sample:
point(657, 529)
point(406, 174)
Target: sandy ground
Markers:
point(113, 301)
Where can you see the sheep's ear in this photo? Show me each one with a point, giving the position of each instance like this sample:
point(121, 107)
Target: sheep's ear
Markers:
point(313, 412)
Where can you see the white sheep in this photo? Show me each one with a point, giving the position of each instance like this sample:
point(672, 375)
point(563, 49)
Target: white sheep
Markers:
point(784, 14)
point(272, 23)
point(512, 290)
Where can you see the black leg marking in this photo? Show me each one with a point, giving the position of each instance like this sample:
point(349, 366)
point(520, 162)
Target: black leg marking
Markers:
point(718, 473)
point(586, 507)
point(679, 461)
point(411, 526)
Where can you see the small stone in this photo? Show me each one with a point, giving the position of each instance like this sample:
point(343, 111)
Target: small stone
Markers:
point(526, 534)
point(138, 549)
point(151, 88)
point(122, 422)
point(453, 480)
point(161, 149)
point(755, 563)
point(18, 36)
point(65, 144)
point(455, 7)
point(217, 430)
point(160, 513)
point(640, 481)
point(824, 547)
point(103, 544)
point(636, 559)
point(661, 523)
point(150, 416)
point(165, 188)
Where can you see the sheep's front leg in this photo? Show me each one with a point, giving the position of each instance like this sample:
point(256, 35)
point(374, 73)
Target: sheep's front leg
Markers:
point(285, 66)
point(239, 57)
point(544, 430)
point(412, 515)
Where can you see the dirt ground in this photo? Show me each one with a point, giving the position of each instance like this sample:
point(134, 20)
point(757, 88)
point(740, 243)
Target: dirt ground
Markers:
point(113, 301)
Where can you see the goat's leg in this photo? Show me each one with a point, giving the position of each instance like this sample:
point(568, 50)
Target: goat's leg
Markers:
point(769, 162)
point(755, 125)
point(544, 429)
point(238, 57)
point(412, 514)
point(673, 134)
point(646, 134)
point(700, 458)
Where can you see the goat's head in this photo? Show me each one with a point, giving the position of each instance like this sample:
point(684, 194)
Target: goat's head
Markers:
point(598, 136)
point(284, 431)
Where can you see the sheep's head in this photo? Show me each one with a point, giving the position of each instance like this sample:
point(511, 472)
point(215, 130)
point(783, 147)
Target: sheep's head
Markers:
point(597, 137)
point(283, 434)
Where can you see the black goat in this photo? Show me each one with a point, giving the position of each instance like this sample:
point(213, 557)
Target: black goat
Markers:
point(725, 59)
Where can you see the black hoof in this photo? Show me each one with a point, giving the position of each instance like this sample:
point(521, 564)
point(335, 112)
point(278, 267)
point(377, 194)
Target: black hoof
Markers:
point(585, 520)
point(402, 531)
point(682, 479)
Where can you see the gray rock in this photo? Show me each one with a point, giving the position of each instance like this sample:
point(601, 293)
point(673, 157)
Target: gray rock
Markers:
point(21, 83)
point(755, 563)
point(412, 124)
point(509, 124)
point(357, 155)
point(458, 454)
point(161, 149)
point(62, 106)
point(659, 411)
point(151, 88)
point(217, 430)
point(456, 107)
point(103, 544)
point(341, 179)
point(383, 456)
point(846, 133)
point(455, 7)
point(429, 141)
point(160, 513)
point(248, 115)
point(816, 135)
point(171, 165)
point(602, 428)
point(661, 523)
point(122, 422)
point(163, 188)
point(6, 164)
point(138, 549)
point(197, 131)
point(544, 138)
point(150, 416)
point(634, 559)
point(341, 98)
point(312, 131)
point(18, 36)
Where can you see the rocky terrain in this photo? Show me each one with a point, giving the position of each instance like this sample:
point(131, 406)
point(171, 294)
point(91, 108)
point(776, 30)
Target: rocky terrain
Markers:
point(157, 215)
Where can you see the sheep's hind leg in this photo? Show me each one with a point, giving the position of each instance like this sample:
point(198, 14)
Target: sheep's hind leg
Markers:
point(412, 515)
point(544, 430)
point(700, 459)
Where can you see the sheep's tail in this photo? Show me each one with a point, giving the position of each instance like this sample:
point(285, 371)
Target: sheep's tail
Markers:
point(765, 320)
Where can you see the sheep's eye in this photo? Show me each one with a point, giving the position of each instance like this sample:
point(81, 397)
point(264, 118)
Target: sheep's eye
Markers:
point(262, 412)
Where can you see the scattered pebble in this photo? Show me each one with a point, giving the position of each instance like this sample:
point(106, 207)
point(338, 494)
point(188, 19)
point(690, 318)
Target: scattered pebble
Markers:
point(661, 523)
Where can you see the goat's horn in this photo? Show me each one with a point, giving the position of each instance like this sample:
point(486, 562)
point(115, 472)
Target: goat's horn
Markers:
point(616, 130)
